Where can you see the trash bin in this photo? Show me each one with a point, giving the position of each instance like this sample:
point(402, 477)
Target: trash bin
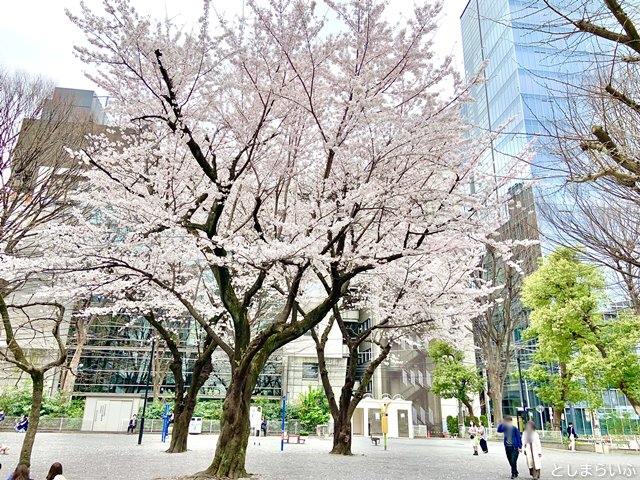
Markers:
point(195, 426)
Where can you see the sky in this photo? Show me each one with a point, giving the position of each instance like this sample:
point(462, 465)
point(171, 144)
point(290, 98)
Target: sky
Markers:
point(37, 37)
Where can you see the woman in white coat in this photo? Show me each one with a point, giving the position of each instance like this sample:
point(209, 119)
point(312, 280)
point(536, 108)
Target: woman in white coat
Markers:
point(532, 449)
point(473, 435)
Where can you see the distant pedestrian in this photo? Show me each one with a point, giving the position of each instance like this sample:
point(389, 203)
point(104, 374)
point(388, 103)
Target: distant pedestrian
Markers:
point(482, 434)
point(133, 423)
point(532, 448)
point(20, 473)
point(473, 435)
point(55, 472)
point(263, 427)
point(22, 424)
point(512, 443)
point(571, 433)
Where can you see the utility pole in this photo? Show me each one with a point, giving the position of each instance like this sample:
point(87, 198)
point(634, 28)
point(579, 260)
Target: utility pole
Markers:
point(146, 391)
point(524, 403)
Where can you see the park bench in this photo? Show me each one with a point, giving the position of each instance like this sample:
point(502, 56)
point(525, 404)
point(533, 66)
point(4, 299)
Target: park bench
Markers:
point(375, 440)
point(293, 438)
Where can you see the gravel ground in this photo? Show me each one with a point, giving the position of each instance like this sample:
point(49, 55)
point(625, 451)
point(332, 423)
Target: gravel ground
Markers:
point(111, 456)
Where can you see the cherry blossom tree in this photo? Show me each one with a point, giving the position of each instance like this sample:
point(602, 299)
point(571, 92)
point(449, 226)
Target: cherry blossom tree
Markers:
point(299, 141)
point(415, 299)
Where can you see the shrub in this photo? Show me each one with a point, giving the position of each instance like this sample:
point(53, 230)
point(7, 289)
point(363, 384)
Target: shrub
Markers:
point(311, 409)
point(452, 425)
point(484, 421)
point(15, 402)
point(271, 409)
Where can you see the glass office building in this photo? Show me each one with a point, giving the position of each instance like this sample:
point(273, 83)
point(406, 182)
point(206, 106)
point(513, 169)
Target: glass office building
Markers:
point(116, 360)
point(524, 68)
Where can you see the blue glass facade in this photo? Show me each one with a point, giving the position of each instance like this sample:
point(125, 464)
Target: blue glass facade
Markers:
point(524, 73)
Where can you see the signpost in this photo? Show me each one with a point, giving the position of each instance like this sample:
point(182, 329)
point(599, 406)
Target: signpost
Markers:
point(384, 423)
point(284, 416)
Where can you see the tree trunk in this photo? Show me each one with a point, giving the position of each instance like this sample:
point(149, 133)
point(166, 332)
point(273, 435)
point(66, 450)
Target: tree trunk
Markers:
point(70, 375)
point(496, 390)
point(467, 403)
point(342, 434)
point(183, 410)
point(180, 432)
point(37, 392)
point(231, 449)
point(634, 400)
point(496, 406)
point(557, 418)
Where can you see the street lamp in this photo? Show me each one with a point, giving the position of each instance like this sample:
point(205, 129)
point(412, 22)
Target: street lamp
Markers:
point(146, 391)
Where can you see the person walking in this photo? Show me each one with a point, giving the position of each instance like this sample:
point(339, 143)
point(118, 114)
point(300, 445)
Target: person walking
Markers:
point(133, 423)
point(22, 424)
point(263, 427)
point(571, 433)
point(473, 435)
point(55, 472)
point(532, 449)
point(512, 443)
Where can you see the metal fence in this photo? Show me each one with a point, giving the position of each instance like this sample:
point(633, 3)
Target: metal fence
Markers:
point(151, 425)
point(47, 424)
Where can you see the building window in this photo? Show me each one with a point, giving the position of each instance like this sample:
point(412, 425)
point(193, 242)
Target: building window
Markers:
point(405, 377)
point(310, 371)
point(420, 378)
point(428, 379)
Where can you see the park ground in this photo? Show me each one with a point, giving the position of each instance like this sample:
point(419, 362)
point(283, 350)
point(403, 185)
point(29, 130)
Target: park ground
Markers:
point(112, 456)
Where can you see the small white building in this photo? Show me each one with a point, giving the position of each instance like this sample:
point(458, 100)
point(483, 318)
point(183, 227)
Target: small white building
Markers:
point(367, 417)
point(106, 413)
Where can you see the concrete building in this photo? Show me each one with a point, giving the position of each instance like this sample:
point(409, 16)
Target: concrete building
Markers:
point(65, 119)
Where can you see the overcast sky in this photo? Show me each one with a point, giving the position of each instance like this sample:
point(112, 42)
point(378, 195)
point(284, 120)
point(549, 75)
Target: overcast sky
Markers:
point(36, 36)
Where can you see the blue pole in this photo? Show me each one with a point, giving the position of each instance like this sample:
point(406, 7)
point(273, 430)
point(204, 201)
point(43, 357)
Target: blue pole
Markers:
point(284, 415)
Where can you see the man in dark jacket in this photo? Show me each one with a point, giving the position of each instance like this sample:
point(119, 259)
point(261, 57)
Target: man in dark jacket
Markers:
point(512, 443)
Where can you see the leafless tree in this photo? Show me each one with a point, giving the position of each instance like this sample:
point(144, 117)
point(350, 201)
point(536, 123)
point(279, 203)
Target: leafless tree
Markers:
point(160, 368)
point(33, 323)
point(596, 129)
point(36, 176)
point(605, 227)
point(502, 311)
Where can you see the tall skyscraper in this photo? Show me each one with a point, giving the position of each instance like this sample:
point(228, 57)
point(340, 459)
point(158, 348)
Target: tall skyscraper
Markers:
point(526, 66)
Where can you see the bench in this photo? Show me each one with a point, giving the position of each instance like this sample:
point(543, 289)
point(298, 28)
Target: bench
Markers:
point(375, 440)
point(287, 438)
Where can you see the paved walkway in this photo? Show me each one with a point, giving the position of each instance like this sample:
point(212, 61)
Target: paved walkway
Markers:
point(108, 456)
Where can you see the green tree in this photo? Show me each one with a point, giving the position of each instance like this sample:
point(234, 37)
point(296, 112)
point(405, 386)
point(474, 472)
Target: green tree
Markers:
point(311, 409)
point(611, 360)
point(579, 352)
point(452, 425)
point(564, 295)
point(451, 377)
